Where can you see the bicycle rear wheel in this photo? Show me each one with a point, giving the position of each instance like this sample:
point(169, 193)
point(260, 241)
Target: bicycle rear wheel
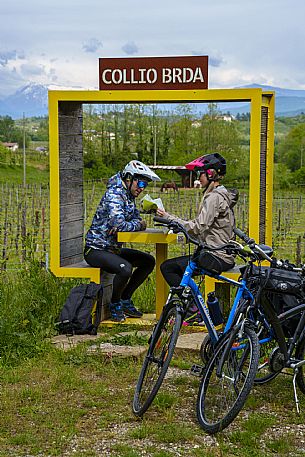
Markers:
point(264, 373)
point(158, 357)
point(222, 395)
point(300, 355)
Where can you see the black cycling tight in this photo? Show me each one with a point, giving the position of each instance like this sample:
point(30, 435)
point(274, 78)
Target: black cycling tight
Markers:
point(126, 280)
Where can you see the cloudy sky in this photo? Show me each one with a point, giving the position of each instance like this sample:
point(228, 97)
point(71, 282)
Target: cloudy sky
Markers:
point(59, 42)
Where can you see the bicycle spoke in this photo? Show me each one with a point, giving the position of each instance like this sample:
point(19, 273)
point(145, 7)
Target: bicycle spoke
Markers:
point(220, 398)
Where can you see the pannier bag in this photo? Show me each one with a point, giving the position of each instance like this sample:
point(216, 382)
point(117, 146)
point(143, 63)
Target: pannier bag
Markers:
point(283, 303)
point(81, 313)
point(284, 282)
point(284, 289)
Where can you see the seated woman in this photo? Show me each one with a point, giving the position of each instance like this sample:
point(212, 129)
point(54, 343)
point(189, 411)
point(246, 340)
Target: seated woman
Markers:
point(117, 212)
point(214, 223)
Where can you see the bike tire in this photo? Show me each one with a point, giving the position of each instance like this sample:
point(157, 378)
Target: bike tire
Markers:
point(300, 355)
point(157, 359)
point(264, 373)
point(231, 389)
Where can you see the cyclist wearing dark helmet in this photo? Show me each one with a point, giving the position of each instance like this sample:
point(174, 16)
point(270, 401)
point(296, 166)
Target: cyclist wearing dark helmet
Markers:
point(117, 212)
point(214, 222)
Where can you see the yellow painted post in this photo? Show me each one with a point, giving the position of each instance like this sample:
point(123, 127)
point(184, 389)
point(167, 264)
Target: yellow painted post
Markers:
point(254, 181)
point(269, 99)
point(54, 185)
point(161, 241)
point(209, 286)
point(161, 286)
point(256, 98)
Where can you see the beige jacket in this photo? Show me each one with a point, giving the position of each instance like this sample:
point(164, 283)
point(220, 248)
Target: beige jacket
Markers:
point(214, 222)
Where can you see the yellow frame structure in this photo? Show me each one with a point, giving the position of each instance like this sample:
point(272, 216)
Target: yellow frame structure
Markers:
point(257, 99)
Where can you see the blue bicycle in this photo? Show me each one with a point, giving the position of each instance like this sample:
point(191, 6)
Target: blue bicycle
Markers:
point(232, 355)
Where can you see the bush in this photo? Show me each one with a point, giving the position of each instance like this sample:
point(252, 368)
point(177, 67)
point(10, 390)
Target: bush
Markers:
point(30, 302)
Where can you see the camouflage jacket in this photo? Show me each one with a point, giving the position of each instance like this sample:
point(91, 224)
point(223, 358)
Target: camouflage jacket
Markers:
point(116, 212)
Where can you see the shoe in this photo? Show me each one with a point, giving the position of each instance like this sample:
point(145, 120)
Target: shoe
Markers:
point(129, 309)
point(116, 312)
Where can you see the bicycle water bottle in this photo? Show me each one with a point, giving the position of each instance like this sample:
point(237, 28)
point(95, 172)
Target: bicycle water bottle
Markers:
point(214, 309)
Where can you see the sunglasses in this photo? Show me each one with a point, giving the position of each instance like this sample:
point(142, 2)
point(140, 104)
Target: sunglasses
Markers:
point(142, 184)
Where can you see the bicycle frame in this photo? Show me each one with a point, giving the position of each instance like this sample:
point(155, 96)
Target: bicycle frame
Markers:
point(242, 292)
point(278, 321)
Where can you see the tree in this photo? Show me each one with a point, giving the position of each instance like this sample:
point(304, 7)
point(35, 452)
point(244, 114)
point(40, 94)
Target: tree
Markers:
point(7, 129)
point(10, 133)
point(292, 149)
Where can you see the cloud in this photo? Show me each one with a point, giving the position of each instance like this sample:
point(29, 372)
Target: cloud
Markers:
point(29, 69)
point(92, 45)
point(6, 56)
point(215, 59)
point(130, 48)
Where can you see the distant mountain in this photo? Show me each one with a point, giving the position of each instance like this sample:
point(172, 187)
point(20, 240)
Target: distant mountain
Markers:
point(32, 100)
point(288, 102)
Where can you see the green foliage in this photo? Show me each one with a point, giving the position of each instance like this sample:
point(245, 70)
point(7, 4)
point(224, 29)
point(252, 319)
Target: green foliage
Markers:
point(95, 168)
point(283, 177)
point(30, 301)
point(7, 128)
point(115, 136)
point(10, 132)
point(292, 149)
point(41, 133)
point(299, 175)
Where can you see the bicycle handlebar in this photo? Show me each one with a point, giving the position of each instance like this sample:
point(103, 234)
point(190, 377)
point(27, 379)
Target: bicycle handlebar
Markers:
point(233, 245)
point(162, 220)
point(284, 265)
point(177, 228)
point(243, 236)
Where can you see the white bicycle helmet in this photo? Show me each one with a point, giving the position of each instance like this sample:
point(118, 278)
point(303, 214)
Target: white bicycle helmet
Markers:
point(137, 169)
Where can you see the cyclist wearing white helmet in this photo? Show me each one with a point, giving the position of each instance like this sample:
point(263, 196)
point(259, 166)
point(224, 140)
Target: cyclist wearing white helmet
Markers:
point(117, 212)
point(214, 222)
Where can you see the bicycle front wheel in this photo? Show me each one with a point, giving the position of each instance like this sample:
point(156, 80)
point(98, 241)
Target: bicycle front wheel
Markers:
point(227, 379)
point(158, 357)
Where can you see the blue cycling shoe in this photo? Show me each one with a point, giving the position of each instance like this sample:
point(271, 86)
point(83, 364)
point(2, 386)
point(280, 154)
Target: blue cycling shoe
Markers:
point(129, 309)
point(116, 311)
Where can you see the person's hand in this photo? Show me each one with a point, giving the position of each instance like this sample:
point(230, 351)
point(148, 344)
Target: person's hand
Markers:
point(143, 224)
point(162, 213)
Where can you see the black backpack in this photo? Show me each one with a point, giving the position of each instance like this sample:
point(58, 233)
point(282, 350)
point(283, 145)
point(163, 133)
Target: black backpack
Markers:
point(81, 312)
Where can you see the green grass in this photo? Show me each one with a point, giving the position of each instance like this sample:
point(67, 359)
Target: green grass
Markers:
point(79, 403)
point(13, 174)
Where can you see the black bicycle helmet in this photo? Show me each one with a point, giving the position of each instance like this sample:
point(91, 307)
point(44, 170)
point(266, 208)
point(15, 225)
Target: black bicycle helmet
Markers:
point(209, 162)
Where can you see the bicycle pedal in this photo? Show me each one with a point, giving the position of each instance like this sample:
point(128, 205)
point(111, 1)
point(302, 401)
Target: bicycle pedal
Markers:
point(197, 370)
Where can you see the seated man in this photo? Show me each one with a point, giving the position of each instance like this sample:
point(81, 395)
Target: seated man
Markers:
point(117, 212)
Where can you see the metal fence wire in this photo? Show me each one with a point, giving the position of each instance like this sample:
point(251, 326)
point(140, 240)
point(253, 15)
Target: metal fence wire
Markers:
point(24, 220)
